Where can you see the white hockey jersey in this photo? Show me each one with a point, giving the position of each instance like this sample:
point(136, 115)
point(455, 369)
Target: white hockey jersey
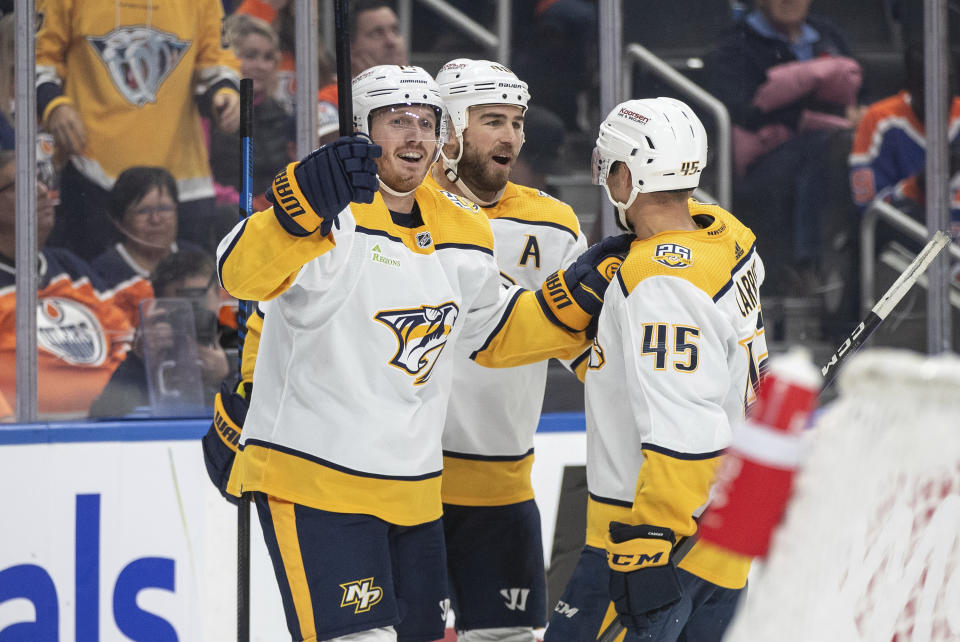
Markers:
point(679, 350)
point(493, 414)
point(355, 361)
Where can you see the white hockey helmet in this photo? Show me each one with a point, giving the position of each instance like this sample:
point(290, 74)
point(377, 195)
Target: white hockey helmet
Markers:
point(661, 141)
point(465, 83)
point(390, 85)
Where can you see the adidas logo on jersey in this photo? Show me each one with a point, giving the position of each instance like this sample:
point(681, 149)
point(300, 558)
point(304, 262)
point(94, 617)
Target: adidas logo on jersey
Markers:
point(361, 595)
point(376, 255)
point(516, 598)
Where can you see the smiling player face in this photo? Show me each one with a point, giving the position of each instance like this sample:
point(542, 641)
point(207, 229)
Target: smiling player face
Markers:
point(408, 136)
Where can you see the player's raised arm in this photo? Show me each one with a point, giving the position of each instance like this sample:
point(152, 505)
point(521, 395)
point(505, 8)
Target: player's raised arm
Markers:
point(262, 255)
point(526, 326)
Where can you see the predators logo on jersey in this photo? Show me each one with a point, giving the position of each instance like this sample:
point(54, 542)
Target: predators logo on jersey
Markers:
point(673, 255)
point(361, 595)
point(138, 60)
point(421, 335)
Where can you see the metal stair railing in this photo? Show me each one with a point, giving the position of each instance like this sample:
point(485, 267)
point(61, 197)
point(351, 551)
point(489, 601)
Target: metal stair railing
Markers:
point(902, 222)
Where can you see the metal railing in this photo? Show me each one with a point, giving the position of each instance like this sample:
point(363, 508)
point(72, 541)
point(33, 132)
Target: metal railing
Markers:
point(902, 222)
point(499, 41)
point(639, 53)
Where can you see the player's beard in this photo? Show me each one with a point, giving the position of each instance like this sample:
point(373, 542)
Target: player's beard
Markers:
point(480, 173)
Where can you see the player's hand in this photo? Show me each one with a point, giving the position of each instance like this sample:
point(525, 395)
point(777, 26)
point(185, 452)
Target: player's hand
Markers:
point(644, 585)
point(66, 126)
point(310, 195)
point(574, 296)
point(226, 111)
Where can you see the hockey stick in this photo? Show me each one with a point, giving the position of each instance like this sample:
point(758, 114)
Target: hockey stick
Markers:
point(243, 312)
point(884, 306)
point(857, 338)
point(341, 19)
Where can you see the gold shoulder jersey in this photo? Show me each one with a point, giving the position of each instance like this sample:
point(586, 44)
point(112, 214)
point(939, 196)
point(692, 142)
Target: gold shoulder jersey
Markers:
point(679, 350)
point(493, 414)
point(135, 72)
point(355, 362)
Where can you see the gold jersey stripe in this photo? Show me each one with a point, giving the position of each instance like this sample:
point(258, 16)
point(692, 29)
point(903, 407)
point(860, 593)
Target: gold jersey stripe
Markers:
point(473, 482)
point(285, 530)
point(299, 480)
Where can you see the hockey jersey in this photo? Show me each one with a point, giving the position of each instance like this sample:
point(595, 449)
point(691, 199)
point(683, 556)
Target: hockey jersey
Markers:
point(355, 362)
point(889, 148)
point(493, 414)
point(136, 71)
point(125, 280)
point(677, 357)
point(81, 336)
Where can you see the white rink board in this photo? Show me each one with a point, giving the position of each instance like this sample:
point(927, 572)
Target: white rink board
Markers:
point(154, 542)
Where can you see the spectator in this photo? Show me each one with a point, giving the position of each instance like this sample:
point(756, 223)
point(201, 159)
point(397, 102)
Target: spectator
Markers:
point(888, 159)
point(81, 335)
point(124, 85)
point(143, 207)
point(375, 39)
point(187, 275)
point(561, 37)
point(6, 82)
point(257, 46)
point(789, 84)
point(542, 149)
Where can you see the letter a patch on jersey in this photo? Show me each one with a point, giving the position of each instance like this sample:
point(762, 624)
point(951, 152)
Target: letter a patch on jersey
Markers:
point(421, 334)
point(531, 251)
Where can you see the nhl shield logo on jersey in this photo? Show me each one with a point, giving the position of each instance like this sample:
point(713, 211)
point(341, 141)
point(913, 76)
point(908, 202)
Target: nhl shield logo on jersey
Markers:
point(71, 332)
point(138, 60)
point(424, 240)
point(673, 255)
point(421, 334)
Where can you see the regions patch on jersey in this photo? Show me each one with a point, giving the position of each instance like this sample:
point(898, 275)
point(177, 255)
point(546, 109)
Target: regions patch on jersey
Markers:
point(377, 256)
point(138, 60)
point(673, 255)
point(421, 335)
point(71, 331)
point(459, 201)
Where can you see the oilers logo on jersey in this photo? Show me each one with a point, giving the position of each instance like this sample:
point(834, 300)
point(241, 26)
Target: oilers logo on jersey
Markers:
point(673, 255)
point(71, 332)
point(421, 335)
point(138, 60)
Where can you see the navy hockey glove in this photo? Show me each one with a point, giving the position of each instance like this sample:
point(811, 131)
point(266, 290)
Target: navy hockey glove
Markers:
point(644, 585)
point(223, 437)
point(309, 195)
point(573, 297)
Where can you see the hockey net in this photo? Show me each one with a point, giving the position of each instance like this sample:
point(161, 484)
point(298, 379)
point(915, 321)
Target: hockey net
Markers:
point(870, 545)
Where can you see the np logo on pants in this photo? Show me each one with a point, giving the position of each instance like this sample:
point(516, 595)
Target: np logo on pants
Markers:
point(361, 594)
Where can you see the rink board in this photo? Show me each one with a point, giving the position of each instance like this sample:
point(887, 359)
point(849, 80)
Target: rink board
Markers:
point(112, 531)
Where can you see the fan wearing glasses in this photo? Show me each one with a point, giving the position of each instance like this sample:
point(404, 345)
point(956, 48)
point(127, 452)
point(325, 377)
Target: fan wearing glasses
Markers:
point(143, 208)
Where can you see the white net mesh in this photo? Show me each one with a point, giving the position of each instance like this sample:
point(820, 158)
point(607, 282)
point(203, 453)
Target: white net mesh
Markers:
point(870, 546)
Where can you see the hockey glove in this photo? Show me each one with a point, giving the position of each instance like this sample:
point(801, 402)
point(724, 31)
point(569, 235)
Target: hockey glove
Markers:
point(572, 297)
point(223, 437)
point(309, 195)
point(644, 585)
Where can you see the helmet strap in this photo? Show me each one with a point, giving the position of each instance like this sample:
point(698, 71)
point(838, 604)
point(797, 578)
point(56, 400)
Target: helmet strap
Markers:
point(622, 207)
point(389, 190)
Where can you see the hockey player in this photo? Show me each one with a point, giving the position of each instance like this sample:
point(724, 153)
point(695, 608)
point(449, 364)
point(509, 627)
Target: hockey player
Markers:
point(491, 521)
point(676, 359)
point(369, 277)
